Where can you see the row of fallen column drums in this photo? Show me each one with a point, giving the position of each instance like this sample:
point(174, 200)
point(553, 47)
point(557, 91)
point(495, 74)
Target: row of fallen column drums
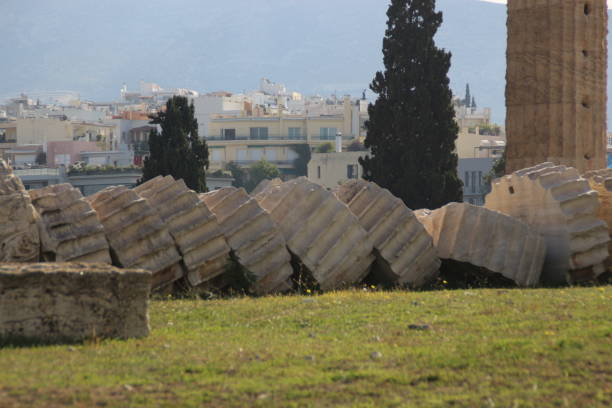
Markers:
point(539, 223)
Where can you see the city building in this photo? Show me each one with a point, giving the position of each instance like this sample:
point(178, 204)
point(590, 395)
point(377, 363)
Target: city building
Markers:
point(217, 103)
point(332, 169)
point(472, 172)
point(247, 139)
point(66, 153)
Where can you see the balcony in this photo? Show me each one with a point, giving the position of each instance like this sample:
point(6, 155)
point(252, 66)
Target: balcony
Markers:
point(247, 163)
point(331, 138)
point(43, 172)
point(273, 138)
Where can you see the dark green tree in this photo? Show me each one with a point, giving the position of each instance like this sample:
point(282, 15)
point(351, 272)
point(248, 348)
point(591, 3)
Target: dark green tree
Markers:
point(412, 130)
point(260, 171)
point(326, 147)
point(238, 174)
point(468, 96)
point(473, 102)
point(177, 150)
point(300, 163)
point(498, 170)
point(41, 158)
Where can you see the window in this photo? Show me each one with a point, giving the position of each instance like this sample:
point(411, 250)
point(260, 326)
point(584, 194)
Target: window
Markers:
point(291, 154)
point(609, 140)
point(228, 134)
point(351, 171)
point(295, 133)
point(242, 154)
point(319, 172)
point(258, 133)
point(479, 181)
point(218, 155)
point(62, 159)
point(271, 154)
point(256, 154)
point(473, 182)
point(328, 133)
point(466, 179)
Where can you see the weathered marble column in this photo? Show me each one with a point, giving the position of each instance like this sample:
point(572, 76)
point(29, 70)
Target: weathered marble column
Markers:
point(556, 83)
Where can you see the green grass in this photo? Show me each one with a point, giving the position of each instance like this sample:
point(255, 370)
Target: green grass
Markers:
point(483, 348)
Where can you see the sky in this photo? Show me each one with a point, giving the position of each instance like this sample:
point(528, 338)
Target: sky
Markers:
point(320, 47)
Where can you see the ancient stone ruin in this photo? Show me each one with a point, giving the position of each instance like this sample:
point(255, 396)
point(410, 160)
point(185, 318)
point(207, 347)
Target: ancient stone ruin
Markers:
point(73, 301)
point(321, 231)
point(19, 237)
point(137, 236)
point(195, 230)
point(265, 184)
point(405, 254)
point(487, 239)
point(70, 230)
point(601, 181)
point(257, 242)
point(556, 83)
point(561, 206)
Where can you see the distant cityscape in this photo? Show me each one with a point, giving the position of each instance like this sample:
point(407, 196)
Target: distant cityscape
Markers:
point(57, 137)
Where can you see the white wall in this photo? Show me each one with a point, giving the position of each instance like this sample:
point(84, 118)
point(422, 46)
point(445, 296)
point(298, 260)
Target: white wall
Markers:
point(207, 105)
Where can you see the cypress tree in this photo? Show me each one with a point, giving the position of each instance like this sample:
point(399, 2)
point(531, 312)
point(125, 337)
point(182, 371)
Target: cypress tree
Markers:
point(177, 150)
point(468, 96)
point(412, 130)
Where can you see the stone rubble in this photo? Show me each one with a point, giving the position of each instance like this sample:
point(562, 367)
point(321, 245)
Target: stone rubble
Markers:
point(405, 251)
point(137, 236)
point(73, 301)
point(486, 239)
point(193, 226)
point(321, 231)
point(255, 238)
point(70, 230)
point(558, 203)
point(19, 235)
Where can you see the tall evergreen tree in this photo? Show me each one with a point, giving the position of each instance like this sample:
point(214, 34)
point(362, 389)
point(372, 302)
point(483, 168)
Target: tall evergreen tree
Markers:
point(177, 150)
point(300, 163)
point(468, 96)
point(412, 130)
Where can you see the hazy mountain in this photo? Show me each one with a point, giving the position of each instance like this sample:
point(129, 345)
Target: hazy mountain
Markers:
point(314, 46)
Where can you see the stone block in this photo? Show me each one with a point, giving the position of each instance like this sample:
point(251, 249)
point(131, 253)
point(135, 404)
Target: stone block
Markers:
point(601, 181)
point(73, 301)
point(558, 203)
point(19, 236)
point(257, 242)
point(263, 184)
point(486, 239)
point(321, 231)
point(137, 236)
point(193, 226)
point(405, 253)
point(70, 230)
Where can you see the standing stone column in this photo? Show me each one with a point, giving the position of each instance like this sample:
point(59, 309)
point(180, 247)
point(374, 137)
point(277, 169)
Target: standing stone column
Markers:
point(556, 83)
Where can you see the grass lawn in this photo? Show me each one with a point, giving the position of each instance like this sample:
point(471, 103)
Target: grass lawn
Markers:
point(479, 348)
